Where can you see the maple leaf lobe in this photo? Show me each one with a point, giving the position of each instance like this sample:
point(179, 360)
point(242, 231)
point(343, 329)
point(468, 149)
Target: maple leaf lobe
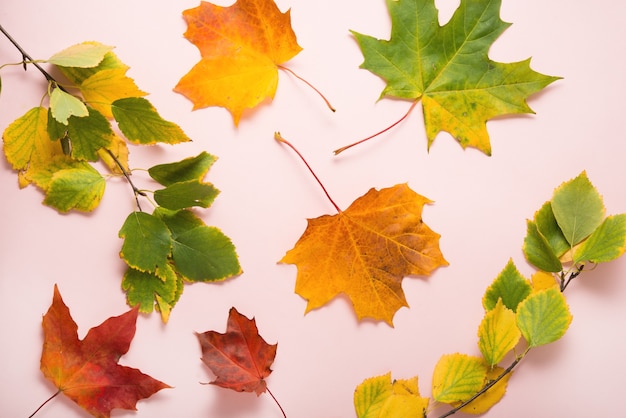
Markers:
point(240, 46)
point(365, 251)
point(240, 358)
point(86, 371)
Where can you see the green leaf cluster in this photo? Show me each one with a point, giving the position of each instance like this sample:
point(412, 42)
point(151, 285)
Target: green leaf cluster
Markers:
point(54, 146)
point(171, 246)
point(572, 228)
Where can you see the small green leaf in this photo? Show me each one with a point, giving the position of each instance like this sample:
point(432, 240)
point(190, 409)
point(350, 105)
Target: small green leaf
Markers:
point(538, 251)
point(510, 286)
point(458, 377)
point(140, 123)
point(543, 317)
point(77, 74)
point(578, 208)
point(549, 228)
point(147, 243)
point(606, 243)
point(194, 168)
point(186, 194)
point(84, 55)
point(179, 221)
point(63, 105)
point(89, 134)
point(147, 290)
point(78, 188)
point(497, 334)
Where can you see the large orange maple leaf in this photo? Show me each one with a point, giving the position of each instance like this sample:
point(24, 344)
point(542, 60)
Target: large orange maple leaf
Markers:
point(86, 371)
point(365, 251)
point(241, 47)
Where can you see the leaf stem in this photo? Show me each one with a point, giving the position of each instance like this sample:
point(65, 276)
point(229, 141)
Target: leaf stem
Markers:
point(275, 400)
point(279, 138)
point(339, 150)
point(487, 386)
point(126, 174)
point(308, 84)
point(47, 400)
point(28, 59)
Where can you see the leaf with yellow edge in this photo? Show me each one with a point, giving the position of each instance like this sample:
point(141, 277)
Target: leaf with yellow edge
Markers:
point(492, 396)
point(379, 397)
point(458, 377)
point(543, 317)
point(543, 280)
point(365, 252)
point(498, 333)
point(119, 149)
point(241, 47)
point(510, 286)
point(76, 188)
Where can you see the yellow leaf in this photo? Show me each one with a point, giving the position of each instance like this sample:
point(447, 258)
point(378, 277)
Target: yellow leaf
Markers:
point(379, 397)
point(106, 86)
point(119, 149)
point(543, 280)
point(498, 333)
point(492, 396)
point(458, 377)
point(365, 252)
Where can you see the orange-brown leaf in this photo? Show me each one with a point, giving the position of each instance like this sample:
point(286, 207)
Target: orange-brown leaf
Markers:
point(86, 371)
point(240, 358)
point(241, 47)
point(365, 252)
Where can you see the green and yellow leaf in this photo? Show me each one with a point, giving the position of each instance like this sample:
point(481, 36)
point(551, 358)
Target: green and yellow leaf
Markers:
point(606, 243)
point(543, 317)
point(498, 333)
point(380, 397)
point(458, 377)
point(83, 55)
point(510, 286)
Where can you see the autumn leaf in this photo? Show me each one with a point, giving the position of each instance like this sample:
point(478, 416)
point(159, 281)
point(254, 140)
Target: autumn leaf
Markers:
point(448, 68)
point(86, 371)
point(380, 397)
point(241, 47)
point(365, 252)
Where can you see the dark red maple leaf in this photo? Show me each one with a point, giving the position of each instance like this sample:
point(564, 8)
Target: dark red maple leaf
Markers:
point(240, 358)
point(86, 371)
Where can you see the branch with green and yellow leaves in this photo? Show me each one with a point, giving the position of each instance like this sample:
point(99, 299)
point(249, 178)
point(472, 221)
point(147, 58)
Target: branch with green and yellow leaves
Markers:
point(54, 146)
point(569, 234)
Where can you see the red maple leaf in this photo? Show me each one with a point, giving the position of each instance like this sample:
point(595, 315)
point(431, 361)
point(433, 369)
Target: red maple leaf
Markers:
point(240, 358)
point(86, 371)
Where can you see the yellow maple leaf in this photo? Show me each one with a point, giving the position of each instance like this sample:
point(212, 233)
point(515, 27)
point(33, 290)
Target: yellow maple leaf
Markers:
point(365, 251)
point(241, 47)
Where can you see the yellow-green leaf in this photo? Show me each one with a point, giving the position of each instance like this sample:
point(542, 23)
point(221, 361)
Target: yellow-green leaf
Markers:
point(149, 291)
point(606, 243)
point(498, 333)
point(84, 55)
point(492, 396)
point(510, 286)
point(543, 317)
point(75, 188)
point(106, 86)
point(379, 397)
point(63, 105)
point(458, 377)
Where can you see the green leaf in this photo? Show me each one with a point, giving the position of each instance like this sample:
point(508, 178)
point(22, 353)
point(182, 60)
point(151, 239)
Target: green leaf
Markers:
point(77, 74)
point(606, 243)
point(194, 168)
point(458, 377)
point(510, 286)
point(498, 333)
point(75, 188)
point(86, 54)
point(380, 397)
point(449, 69)
point(63, 105)
point(186, 194)
point(543, 317)
point(200, 252)
point(549, 228)
point(140, 123)
point(578, 208)
point(149, 291)
point(538, 251)
point(147, 243)
point(88, 134)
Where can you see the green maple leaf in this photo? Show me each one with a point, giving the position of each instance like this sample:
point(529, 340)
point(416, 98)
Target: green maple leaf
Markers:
point(449, 69)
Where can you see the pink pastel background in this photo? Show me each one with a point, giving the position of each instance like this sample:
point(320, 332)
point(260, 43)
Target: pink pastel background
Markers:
point(481, 206)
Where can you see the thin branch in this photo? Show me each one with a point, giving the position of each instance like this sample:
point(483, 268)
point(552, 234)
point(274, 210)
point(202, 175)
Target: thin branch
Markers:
point(28, 59)
point(126, 174)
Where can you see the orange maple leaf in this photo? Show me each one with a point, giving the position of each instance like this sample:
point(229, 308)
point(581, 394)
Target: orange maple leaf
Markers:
point(86, 371)
point(241, 47)
point(365, 252)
